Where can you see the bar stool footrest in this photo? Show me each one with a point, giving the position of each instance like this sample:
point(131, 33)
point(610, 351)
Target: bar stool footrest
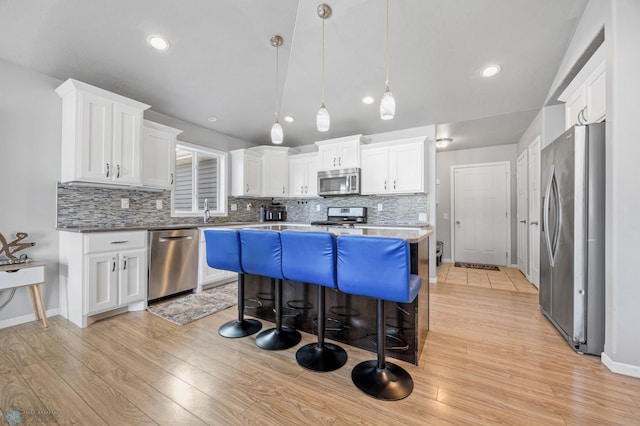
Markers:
point(391, 383)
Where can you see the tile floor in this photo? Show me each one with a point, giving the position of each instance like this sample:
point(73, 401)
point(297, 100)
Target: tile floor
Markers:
point(506, 279)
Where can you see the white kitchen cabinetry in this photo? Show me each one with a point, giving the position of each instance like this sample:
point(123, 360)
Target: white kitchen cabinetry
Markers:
point(340, 153)
point(101, 135)
point(585, 96)
point(246, 173)
point(207, 275)
point(303, 175)
point(102, 272)
point(394, 167)
point(275, 170)
point(158, 155)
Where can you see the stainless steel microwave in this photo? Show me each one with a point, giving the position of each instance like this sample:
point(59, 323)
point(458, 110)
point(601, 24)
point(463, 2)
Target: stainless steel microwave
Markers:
point(339, 182)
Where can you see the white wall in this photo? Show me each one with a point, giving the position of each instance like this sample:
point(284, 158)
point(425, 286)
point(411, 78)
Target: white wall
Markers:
point(444, 161)
point(622, 332)
point(30, 127)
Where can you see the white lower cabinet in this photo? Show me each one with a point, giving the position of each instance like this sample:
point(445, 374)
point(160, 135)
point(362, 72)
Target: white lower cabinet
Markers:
point(207, 275)
point(101, 272)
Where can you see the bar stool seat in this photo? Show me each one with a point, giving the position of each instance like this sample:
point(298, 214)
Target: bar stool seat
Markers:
point(378, 267)
point(310, 257)
point(223, 252)
point(261, 254)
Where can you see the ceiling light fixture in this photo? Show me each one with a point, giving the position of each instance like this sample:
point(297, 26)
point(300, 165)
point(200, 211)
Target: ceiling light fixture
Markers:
point(368, 100)
point(289, 118)
point(158, 42)
point(212, 119)
point(443, 142)
point(387, 102)
point(276, 130)
point(491, 70)
point(323, 120)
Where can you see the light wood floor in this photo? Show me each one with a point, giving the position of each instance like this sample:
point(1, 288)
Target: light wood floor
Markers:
point(504, 279)
point(490, 358)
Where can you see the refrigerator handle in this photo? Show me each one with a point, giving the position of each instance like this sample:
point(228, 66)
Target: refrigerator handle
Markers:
point(558, 224)
point(545, 216)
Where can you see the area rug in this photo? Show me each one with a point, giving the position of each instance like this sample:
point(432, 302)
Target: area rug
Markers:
point(192, 307)
point(476, 266)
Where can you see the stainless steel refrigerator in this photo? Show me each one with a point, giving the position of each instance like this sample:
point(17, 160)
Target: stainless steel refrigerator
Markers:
point(572, 236)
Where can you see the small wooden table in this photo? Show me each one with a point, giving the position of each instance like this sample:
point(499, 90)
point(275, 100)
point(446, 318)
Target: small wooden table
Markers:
point(26, 274)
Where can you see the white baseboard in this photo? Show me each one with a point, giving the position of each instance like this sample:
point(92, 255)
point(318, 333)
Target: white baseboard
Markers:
point(447, 261)
point(620, 367)
point(26, 318)
point(433, 280)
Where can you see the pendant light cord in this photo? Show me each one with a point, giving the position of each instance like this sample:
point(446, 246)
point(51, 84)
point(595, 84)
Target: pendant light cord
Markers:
point(387, 81)
point(277, 78)
point(323, 61)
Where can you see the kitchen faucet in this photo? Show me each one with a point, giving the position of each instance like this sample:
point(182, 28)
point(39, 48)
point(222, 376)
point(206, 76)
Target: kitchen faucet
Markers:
point(206, 214)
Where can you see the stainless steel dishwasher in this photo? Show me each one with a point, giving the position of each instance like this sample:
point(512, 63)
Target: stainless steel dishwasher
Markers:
point(173, 262)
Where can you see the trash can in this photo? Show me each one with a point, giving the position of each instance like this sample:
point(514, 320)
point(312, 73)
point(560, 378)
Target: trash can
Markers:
point(439, 246)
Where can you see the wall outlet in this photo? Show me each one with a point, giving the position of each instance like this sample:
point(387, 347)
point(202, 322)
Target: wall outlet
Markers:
point(248, 206)
point(379, 207)
point(234, 207)
point(124, 203)
point(422, 217)
point(159, 204)
point(317, 207)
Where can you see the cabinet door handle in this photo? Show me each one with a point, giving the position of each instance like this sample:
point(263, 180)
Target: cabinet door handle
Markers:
point(385, 184)
point(339, 161)
point(171, 178)
point(118, 171)
point(124, 264)
point(394, 184)
point(306, 189)
point(334, 161)
point(108, 170)
point(119, 242)
point(283, 189)
point(113, 268)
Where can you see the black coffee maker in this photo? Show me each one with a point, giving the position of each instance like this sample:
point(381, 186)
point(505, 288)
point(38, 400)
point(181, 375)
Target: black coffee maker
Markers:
point(273, 212)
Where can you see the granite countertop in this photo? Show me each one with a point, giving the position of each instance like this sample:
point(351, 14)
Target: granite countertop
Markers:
point(411, 233)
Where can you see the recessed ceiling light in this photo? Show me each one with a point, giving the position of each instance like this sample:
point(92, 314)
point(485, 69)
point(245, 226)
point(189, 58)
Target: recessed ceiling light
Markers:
point(289, 118)
point(368, 100)
point(158, 42)
point(212, 119)
point(491, 70)
point(443, 142)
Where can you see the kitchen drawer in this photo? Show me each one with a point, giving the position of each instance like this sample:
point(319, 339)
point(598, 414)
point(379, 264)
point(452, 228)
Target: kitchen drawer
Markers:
point(21, 277)
point(115, 241)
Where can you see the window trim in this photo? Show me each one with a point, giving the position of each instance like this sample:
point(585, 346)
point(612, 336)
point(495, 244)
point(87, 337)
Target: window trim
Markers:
point(223, 176)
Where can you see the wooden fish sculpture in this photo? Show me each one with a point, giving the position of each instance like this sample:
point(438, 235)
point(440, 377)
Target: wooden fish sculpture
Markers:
point(14, 246)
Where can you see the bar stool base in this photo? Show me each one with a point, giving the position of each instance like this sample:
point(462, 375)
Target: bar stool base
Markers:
point(389, 384)
point(235, 329)
point(328, 357)
point(276, 340)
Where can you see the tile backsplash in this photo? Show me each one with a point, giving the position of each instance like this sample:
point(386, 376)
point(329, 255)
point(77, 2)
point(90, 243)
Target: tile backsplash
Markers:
point(98, 207)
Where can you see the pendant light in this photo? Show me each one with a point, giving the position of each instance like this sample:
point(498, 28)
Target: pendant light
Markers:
point(323, 120)
point(276, 130)
point(387, 103)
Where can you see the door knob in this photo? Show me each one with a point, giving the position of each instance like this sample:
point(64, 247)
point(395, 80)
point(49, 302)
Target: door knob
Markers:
point(534, 223)
point(457, 222)
point(523, 221)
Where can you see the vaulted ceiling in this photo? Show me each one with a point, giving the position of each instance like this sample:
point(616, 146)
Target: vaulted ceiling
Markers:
point(221, 62)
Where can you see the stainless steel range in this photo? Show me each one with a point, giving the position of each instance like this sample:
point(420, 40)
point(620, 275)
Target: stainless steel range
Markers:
point(344, 216)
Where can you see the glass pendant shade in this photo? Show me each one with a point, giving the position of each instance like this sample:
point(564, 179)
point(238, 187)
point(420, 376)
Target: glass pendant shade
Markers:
point(276, 133)
point(323, 120)
point(387, 105)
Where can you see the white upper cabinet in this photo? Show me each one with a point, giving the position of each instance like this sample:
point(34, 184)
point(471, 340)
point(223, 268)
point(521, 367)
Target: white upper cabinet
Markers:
point(394, 167)
point(585, 96)
point(158, 155)
point(303, 175)
point(340, 153)
point(246, 173)
point(101, 135)
point(275, 170)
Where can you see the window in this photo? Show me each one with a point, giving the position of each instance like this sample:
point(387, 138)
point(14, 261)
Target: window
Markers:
point(200, 177)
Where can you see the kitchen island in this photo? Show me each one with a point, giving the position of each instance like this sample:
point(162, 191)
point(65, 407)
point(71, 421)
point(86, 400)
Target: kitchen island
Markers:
point(352, 319)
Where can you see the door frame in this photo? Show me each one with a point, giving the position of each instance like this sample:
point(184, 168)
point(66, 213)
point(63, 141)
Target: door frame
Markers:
point(507, 164)
point(534, 236)
point(520, 191)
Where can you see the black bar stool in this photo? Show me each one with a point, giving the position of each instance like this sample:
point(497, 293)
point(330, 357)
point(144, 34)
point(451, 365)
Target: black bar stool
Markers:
point(223, 252)
point(261, 254)
point(310, 257)
point(380, 268)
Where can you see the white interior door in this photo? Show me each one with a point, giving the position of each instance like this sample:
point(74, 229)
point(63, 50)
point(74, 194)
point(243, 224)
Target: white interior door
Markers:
point(534, 212)
point(523, 212)
point(481, 216)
